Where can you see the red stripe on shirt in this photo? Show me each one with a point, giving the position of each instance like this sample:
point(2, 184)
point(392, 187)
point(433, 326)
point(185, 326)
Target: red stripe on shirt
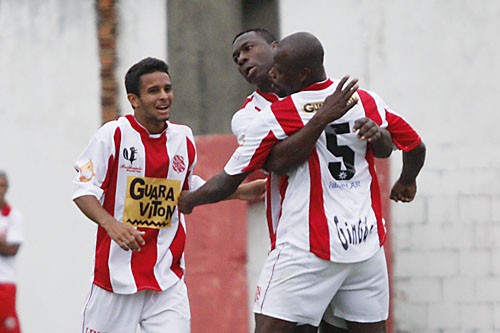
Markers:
point(177, 249)
point(319, 235)
point(269, 213)
point(143, 262)
point(191, 155)
point(403, 135)
point(103, 243)
point(261, 153)
point(371, 112)
point(370, 106)
point(375, 197)
point(287, 116)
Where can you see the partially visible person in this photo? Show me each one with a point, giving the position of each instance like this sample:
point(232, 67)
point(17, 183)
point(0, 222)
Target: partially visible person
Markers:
point(330, 218)
point(128, 181)
point(11, 238)
point(253, 54)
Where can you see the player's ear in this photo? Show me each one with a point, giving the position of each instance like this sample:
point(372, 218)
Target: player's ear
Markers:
point(305, 73)
point(274, 44)
point(134, 100)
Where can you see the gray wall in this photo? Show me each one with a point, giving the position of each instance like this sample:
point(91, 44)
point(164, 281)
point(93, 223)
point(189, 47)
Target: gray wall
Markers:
point(436, 63)
point(208, 88)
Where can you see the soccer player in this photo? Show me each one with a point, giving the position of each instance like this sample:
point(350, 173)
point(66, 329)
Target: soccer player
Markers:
point(129, 178)
point(252, 53)
point(11, 237)
point(330, 219)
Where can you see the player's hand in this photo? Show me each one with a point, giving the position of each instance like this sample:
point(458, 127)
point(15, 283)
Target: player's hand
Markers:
point(404, 192)
point(367, 129)
point(184, 204)
point(341, 101)
point(126, 236)
point(252, 191)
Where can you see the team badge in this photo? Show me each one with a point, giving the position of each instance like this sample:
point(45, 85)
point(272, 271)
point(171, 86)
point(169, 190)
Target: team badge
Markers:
point(178, 164)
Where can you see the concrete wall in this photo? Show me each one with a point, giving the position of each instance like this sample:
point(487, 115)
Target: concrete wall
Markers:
point(433, 61)
point(50, 108)
point(436, 63)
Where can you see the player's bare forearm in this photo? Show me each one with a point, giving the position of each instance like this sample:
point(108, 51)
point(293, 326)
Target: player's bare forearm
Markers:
point(297, 148)
point(251, 191)
point(217, 188)
point(413, 161)
point(127, 237)
point(382, 147)
point(405, 187)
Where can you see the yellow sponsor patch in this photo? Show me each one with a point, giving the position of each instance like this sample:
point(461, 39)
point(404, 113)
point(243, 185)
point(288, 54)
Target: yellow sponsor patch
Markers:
point(150, 202)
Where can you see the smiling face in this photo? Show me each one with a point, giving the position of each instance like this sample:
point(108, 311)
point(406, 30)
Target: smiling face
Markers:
point(254, 57)
point(152, 106)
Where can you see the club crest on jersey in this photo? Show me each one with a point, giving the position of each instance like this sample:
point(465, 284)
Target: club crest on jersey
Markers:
point(130, 154)
point(312, 107)
point(178, 164)
point(150, 202)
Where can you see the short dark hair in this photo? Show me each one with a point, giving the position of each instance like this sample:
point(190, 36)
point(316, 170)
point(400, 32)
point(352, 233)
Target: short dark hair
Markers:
point(264, 33)
point(145, 66)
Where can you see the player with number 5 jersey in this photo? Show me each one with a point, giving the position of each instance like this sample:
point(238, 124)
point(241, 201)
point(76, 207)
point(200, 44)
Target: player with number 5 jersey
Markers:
point(336, 191)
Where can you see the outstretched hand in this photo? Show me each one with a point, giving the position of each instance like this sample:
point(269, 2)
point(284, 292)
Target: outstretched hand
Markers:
point(404, 192)
point(341, 101)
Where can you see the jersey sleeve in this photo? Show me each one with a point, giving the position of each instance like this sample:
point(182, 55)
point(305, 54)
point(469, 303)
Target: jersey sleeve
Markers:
point(374, 107)
point(93, 163)
point(252, 153)
point(403, 135)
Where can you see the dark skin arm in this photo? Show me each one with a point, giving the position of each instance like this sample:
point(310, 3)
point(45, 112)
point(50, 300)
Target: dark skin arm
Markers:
point(297, 148)
point(217, 188)
point(8, 249)
point(405, 188)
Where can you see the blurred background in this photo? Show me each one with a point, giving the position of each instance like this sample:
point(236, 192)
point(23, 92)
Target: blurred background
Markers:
point(436, 62)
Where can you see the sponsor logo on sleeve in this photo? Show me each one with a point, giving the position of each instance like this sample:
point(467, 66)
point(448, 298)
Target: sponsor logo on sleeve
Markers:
point(86, 172)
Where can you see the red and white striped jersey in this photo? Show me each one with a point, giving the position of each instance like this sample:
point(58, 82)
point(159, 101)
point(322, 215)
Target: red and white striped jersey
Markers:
point(138, 178)
point(254, 103)
point(403, 135)
point(11, 227)
point(331, 203)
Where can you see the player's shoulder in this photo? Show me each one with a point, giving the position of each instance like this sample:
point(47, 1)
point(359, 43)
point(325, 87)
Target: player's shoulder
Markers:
point(180, 128)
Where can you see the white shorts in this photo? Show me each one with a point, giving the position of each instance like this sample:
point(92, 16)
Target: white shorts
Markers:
point(153, 311)
point(297, 286)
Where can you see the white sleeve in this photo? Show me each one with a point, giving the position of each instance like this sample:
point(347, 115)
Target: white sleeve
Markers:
point(256, 147)
point(196, 182)
point(92, 164)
